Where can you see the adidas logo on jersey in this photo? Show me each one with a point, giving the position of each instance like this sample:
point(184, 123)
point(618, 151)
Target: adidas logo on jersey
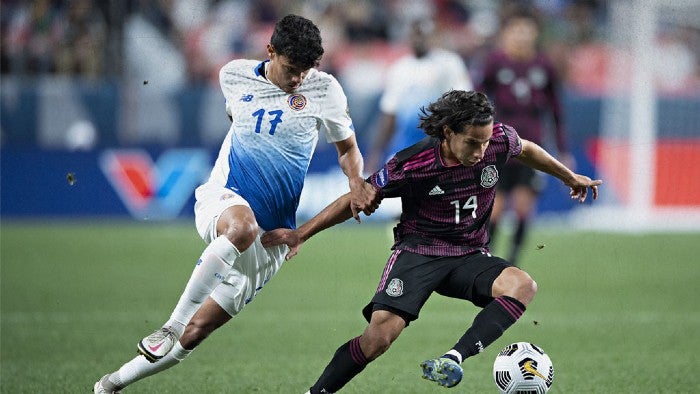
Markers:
point(436, 190)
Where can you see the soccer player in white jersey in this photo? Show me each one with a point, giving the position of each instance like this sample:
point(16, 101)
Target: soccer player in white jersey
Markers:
point(277, 108)
point(413, 81)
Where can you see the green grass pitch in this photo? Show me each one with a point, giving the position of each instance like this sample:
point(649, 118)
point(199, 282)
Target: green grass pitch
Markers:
point(617, 313)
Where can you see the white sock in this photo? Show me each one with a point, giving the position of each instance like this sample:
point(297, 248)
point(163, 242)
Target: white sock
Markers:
point(139, 368)
point(210, 271)
point(455, 353)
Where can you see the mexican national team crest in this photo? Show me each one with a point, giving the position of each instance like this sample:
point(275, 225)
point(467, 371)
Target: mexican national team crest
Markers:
point(297, 101)
point(489, 176)
point(395, 287)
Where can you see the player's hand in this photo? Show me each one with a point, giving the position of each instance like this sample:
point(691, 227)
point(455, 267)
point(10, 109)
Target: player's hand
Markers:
point(579, 187)
point(284, 236)
point(363, 198)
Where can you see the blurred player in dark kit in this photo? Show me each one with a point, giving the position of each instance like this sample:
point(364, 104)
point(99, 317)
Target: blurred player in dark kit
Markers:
point(523, 85)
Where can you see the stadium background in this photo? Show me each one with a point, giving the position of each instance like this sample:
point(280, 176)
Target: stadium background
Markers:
point(102, 90)
point(110, 115)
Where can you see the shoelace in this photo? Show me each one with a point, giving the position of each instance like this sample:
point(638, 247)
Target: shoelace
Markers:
point(162, 334)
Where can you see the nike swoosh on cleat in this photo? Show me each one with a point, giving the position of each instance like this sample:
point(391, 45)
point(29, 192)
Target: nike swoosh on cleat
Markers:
point(155, 348)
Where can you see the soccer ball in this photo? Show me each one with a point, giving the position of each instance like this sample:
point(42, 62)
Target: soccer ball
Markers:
point(523, 368)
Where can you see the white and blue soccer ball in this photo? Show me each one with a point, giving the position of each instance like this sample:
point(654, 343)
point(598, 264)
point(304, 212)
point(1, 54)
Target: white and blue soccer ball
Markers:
point(523, 368)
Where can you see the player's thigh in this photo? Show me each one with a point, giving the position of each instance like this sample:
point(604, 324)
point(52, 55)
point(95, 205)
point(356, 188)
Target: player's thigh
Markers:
point(385, 324)
point(248, 275)
point(211, 202)
point(407, 282)
point(473, 279)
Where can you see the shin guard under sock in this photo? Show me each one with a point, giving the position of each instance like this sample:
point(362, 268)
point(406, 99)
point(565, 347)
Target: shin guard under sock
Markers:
point(489, 325)
point(347, 362)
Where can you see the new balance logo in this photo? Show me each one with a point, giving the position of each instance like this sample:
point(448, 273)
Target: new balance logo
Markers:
point(247, 98)
point(436, 190)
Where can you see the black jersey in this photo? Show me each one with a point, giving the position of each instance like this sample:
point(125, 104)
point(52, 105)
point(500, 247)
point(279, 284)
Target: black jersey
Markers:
point(445, 209)
point(525, 93)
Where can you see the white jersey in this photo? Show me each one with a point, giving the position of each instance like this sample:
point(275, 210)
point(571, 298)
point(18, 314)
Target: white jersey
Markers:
point(413, 81)
point(273, 134)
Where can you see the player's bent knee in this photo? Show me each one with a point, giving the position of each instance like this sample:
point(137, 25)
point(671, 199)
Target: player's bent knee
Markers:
point(376, 342)
point(516, 283)
point(526, 288)
point(241, 233)
point(378, 345)
point(530, 289)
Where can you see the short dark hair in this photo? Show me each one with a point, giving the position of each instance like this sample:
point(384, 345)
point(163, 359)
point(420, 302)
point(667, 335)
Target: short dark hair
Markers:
point(298, 39)
point(456, 109)
point(520, 12)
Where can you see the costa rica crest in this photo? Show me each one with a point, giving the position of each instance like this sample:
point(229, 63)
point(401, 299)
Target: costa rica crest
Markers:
point(296, 101)
point(489, 176)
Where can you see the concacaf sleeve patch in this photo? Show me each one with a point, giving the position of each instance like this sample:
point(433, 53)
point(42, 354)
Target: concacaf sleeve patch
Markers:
point(382, 177)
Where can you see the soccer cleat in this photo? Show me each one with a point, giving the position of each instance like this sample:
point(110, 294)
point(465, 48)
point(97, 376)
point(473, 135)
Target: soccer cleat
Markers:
point(158, 344)
point(446, 372)
point(99, 387)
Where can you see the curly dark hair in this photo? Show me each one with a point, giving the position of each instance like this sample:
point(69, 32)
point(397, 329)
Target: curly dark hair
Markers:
point(298, 39)
point(456, 109)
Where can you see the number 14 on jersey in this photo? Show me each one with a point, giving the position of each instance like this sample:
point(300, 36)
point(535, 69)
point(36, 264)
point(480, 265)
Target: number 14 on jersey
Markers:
point(470, 204)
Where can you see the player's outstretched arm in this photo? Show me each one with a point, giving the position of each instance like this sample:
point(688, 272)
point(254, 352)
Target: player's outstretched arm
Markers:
point(337, 212)
point(534, 156)
point(362, 194)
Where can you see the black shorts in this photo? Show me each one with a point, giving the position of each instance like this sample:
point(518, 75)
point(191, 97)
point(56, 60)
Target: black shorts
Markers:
point(409, 279)
point(517, 174)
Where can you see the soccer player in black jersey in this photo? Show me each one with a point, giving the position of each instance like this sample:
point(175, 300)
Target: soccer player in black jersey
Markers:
point(447, 184)
point(525, 86)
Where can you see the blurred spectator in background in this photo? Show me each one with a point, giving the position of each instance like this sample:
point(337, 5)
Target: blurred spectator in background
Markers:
point(104, 39)
point(31, 37)
point(523, 85)
point(413, 81)
point(572, 40)
point(82, 49)
point(676, 65)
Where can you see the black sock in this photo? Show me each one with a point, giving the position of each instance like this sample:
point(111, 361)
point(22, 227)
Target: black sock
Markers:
point(347, 362)
point(518, 238)
point(489, 325)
